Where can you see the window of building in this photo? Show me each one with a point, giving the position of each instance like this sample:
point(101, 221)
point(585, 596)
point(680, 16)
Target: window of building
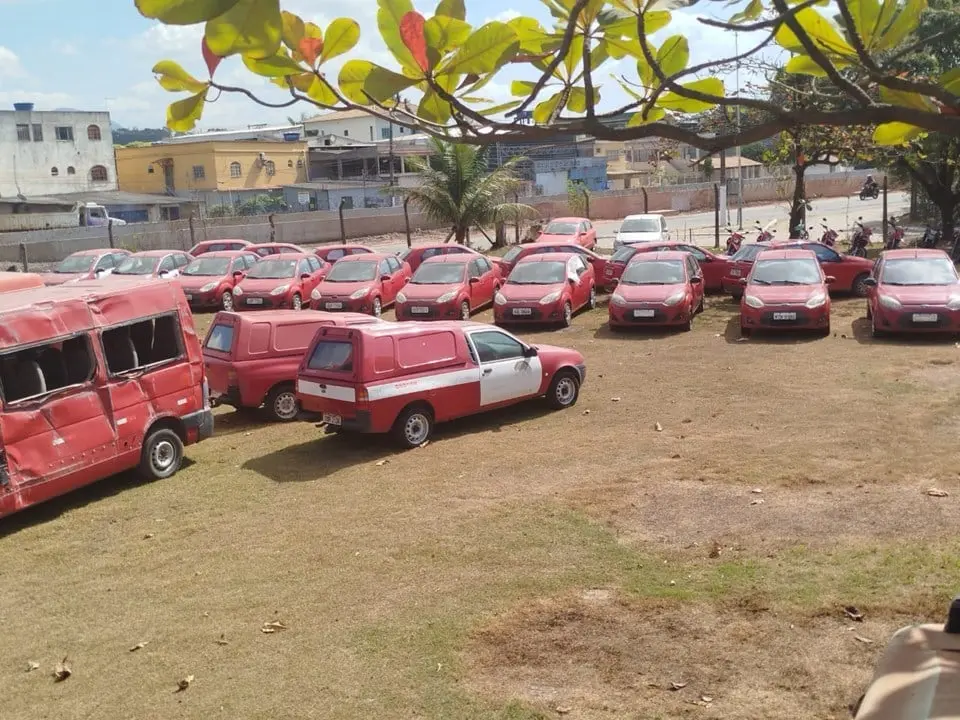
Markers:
point(142, 344)
point(98, 173)
point(23, 132)
point(37, 132)
point(299, 162)
point(271, 167)
point(54, 172)
point(346, 133)
point(199, 173)
point(149, 169)
point(371, 132)
point(64, 133)
point(235, 170)
point(71, 170)
point(93, 132)
point(385, 133)
point(289, 163)
point(40, 370)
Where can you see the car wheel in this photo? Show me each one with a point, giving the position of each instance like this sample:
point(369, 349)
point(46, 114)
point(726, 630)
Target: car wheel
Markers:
point(297, 302)
point(377, 310)
point(567, 314)
point(592, 303)
point(226, 301)
point(413, 426)
point(564, 390)
point(282, 403)
point(859, 285)
point(464, 310)
point(869, 312)
point(161, 455)
point(737, 297)
point(688, 325)
point(700, 306)
point(745, 331)
point(874, 330)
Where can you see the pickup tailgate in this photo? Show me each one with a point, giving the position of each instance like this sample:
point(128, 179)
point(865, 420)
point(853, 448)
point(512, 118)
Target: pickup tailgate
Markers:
point(218, 353)
point(327, 378)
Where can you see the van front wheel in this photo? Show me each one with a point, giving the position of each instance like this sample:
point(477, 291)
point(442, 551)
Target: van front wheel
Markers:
point(162, 455)
point(413, 426)
point(282, 403)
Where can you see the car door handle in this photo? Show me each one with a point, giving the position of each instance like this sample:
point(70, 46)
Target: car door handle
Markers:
point(487, 371)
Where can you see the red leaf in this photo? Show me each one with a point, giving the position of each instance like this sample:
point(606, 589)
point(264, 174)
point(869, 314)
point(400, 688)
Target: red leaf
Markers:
point(411, 31)
point(208, 56)
point(310, 48)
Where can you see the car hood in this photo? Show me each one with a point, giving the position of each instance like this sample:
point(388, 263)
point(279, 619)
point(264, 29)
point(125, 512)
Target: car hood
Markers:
point(195, 282)
point(858, 262)
point(428, 293)
point(784, 294)
point(552, 351)
point(343, 289)
point(649, 293)
point(638, 237)
point(263, 285)
point(544, 237)
point(921, 294)
point(528, 293)
point(61, 278)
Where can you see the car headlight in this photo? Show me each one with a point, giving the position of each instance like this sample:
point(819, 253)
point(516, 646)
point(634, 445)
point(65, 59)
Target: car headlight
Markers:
point(238, 291)
point(280, 290)
point(552, 297)
point(954, 302)
point(617, 243)
point(447, 297)
point(499, 299)
point(618, 299)
point(362, 292)
point(891, 303)
point(208, 287)
point(675, 299)
point(817, 300)
point(401, 298)
point(753, 301)
point(315, 295)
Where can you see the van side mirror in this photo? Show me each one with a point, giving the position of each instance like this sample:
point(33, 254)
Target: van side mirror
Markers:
point(474, 280)
point(869, 282)
point(384, 277)
point(696, 280)
point(743, 281)
point(829, 279)
point(530, 352)
point(238, 275)
point(305, 276)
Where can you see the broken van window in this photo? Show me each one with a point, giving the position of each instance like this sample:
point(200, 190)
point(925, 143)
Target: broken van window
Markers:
point(332, 355)
point(221, 338)
point(141, 344)
point(41, 369)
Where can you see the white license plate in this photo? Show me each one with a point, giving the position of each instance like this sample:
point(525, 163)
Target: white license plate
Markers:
point(333, 306)
point(331, 419)
point(522, 311)
point(734, 272)
point(189, 298)
point(254, 301)
point(643, 313)
point(608, 272)
point(784, 316)
point(419, 310)
point(925, 317)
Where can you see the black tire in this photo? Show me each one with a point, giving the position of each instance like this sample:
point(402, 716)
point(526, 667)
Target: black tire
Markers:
point(413, 426)
point(161, 456)
point(281, 403)
point(875, 331)
point(564, 390)
point(464, 310)
point(567, 318)
point(869, 312)
point(737, 297)
point(700, 306)
point(745, 331)
point(592, 302)
point(858, 288)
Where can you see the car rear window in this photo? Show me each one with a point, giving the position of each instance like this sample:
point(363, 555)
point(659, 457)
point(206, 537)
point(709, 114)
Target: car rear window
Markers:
point(623, 254)
point(332, 356)
point(748, 252)
point(220, 338)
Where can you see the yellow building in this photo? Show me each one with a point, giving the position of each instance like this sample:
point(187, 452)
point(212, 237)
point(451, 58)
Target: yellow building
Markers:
point(211, 166)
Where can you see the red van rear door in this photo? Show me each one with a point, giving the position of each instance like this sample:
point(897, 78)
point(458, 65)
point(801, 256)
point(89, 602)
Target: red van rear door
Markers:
point(327, 381)
point(219, 349)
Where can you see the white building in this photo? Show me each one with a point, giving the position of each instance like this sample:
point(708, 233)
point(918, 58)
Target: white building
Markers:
point(53, 152)
point(354, 124)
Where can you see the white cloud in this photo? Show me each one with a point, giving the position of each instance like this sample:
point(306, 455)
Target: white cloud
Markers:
point(505, 16)
point(10, 66)
point(43, 100)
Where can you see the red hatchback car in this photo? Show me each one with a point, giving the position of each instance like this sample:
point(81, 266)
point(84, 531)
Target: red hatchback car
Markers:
point(364, 283)
point(576, 230)
point(713, 266)
point(416, 255)
point(739, 267)
point(518, 252)
point(786, 289)
point(264, 249)
point(280, 281)
point(153, 264)
point(332, 253)
point(85, 265)
point(207, 246)
point(448, 287)
point(658, 289)
point(914, 290)
point(546, 288)
point(209, 280)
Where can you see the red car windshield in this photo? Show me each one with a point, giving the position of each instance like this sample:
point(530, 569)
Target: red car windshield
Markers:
point(919, 271)
point(654, 272)
point(748, 253)
point(438, 274)
point(561, 228)
point(207, 266)
point(273, 269)
point(76, 264)
point(538, 273)
point(797, 271)
point(353, 272)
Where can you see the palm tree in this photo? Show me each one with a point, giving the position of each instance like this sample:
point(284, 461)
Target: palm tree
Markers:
point(456, 188)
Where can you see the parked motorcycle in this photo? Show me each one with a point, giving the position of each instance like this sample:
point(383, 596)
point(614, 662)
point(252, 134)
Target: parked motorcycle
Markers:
point(896, 235)
point(829, 237)
point(931, 237)
point(870, 191)
point(800, 232)
point(765, 232)
point(734, 241)
point(860, 239)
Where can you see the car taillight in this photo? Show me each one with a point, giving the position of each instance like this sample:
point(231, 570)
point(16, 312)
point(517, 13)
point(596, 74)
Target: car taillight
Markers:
point(231, 376)
point(363, 397)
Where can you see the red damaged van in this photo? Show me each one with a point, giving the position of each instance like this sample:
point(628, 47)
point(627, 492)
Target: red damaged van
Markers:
point(405, 377)
point(252, 358)
point(96, 378)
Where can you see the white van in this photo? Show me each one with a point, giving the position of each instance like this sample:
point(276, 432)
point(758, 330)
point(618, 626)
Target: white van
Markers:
point(641, 229)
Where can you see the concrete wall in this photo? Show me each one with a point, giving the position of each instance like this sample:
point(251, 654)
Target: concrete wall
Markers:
point(27, 165)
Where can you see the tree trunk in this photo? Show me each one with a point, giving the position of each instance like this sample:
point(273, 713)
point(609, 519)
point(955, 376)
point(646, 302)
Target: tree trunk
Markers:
point(459, 234)
point(798, 208)
point(948, 208)
point(500, 238)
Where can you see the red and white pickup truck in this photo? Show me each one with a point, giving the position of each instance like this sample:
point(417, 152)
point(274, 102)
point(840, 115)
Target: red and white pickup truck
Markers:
point(406, 377)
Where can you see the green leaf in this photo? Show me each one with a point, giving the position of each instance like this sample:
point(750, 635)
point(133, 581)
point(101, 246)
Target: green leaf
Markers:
point(599, 54)
point(292, 30)
point(389, 16)
point(503, 107)
point(627, 26)
point(250, 27)
point(951, 81)
point(895, 133)
point(445, 33)
point(174, 78)
point(673, 55)
point(646, 74)
point(530, 33)
point(318, 91)
point(865, 15)
point(521, 88)
point(820, 31)
point(452, 8)
point(750, 12)
point(433, 108)
point(577, 101)
point(487, 49)
point(629, 90)
point(804, 65)
point(341, 36)
point(574, 55)
point(182, 115)
point(183, 12)
point(678, 103)
point(902, 25)
point(653, 115)
point(544, 110)
point(360, 78)
point(279, 65)
point(907, 99)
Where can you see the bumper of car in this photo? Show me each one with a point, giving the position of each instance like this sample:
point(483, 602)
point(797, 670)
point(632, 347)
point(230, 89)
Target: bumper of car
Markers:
point(261, 302)
point(516, 313)
point(413, 310)
point(913, 319)
point(785, 317)
point(637, 315)
point(363, 305)
point(198, 299)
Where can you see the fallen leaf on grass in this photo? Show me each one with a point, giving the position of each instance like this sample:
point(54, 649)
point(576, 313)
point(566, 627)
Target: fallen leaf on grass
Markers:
point(756, 491)
point(675, 456)
point(658, 427)
point(614, 399)
point(148, 536)
point(863, 639)
point(715, 550)
point(31, 666)
point(272, 627)
point(758, 501)
point(586, 412)
point(706, 698)
point(139, 646)
point(563, 709)
point(184, 683)
point(62, 671)
point(381, 463)
point(853, 613)
point(423, 444)
point(677, 685)
point(222, 640)
point(936, 492)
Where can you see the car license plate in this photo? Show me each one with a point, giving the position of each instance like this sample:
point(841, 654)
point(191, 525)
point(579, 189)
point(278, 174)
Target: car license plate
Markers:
point(331, 419)
point(419, 310)
point(254, 301)
point(522, 311)
point(189, 298)
point(333, 306)
point(784, 316)
point(734, 272)
point(925, 317)
point(643, 313)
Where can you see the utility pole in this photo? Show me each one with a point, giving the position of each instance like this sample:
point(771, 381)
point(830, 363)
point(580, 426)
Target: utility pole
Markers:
point(736, 51)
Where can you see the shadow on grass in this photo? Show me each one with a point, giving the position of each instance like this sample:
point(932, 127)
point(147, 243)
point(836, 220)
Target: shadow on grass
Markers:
point(239, 420)
point(769, 337)
point(863, 333)
point(640, 332)
point(327, 454)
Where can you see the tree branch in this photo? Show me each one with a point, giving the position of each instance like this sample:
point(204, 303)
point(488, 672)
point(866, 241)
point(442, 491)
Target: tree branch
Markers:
point(258, 101)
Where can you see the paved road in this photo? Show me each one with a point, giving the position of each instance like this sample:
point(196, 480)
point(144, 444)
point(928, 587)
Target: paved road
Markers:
point(841, 213)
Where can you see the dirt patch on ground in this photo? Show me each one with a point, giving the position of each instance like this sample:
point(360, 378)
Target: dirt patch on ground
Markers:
point(610, 657)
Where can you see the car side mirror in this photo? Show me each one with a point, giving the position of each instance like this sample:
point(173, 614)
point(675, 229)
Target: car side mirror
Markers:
point(743, 281)
point(696, 280)
point(474, 280)
point(163, 273)
point(238, 275)
point(384, 277)
point(572, 281)
point(305, 276)
point(829, 279)
point(868, 282)
point(530, 352)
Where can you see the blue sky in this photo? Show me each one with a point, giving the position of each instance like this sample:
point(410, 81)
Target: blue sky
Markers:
point(97, 54)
